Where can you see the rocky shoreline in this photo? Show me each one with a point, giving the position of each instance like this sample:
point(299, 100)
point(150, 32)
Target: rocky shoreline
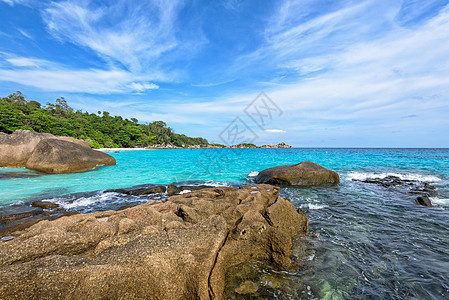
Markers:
point(175, 249)
point(210, 146)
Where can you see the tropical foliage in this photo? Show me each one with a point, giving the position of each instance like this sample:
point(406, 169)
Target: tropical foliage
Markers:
point(99, 130)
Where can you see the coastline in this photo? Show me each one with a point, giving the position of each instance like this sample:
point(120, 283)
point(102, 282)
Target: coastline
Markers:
point(112, 150)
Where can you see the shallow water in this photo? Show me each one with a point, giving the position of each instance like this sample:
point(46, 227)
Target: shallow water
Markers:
point(366, 241)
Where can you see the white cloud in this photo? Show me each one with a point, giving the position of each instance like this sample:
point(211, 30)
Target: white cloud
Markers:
point(134, 35)
point(12, 2)
point(29, 62)
point(49, 76)
point(275, 131)
point(141, 87)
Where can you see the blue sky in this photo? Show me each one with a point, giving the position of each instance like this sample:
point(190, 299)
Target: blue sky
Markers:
point(344, 73)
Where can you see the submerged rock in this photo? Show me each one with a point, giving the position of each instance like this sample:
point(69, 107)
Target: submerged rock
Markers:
point(305, 173)
point(409, 187)
point(44, 204)
point(49, 153)
point(177, 249)
point(424, 201)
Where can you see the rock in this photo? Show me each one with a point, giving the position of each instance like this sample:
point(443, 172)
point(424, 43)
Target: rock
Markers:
point(305, 173)
point(147, 189)
point(18, 217)
point(138, 190)
point(44, 204)
point(16, 148)
point(280, 145)
point(172, 189)
point(408, 187)
point(24, 148)
point(248, 287)
point(181, 248)
point(424, 201)
point(61, 156)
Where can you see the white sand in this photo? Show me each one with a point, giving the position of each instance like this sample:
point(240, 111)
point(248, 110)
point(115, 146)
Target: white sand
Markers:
point(120, 149)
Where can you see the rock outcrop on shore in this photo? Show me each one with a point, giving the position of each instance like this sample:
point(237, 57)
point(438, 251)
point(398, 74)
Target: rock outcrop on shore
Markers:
point(181, 248)
point(306, 173)
point(280, 145)
point(49, 153)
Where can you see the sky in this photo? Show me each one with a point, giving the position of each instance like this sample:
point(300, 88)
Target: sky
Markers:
point(311, 73)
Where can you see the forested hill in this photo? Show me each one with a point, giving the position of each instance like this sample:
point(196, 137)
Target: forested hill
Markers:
point(99, 130)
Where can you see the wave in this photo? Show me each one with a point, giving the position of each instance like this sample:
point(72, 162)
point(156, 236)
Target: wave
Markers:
point(316, 206)
point(101, 201)
point(253, 173)
point(409, 176)
point(439, 201)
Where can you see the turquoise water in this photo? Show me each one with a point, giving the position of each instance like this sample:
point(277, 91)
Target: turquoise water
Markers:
point(366, 241)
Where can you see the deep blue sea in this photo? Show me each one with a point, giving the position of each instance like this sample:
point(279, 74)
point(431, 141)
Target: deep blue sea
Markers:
point(366, 241)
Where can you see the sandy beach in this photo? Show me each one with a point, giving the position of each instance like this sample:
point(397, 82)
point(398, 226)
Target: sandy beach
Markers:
point(120, 149)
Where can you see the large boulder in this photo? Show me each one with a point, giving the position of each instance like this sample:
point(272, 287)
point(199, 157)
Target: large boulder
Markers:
point(306, 173)
point(59, 156)
point(181, 248)
point(17, 148)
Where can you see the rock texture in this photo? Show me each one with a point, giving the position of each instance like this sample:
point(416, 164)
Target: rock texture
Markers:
point(49, 153)
point(59, 156)
point(177, 249)
point(305, 173)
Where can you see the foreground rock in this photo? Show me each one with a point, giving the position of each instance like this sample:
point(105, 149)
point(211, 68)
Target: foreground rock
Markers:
point(177, 249)
point(49, 153)
point(305, 173)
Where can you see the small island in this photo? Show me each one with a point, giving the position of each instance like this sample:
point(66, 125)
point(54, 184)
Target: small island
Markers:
point(101, 130)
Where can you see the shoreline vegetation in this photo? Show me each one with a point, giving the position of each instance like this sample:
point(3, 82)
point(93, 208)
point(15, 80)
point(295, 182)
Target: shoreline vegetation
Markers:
point(100, 131)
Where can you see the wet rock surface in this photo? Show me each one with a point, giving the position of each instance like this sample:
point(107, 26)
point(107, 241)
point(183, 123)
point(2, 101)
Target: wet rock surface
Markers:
point(420, 191)
point(180, 248)
point(147, 189)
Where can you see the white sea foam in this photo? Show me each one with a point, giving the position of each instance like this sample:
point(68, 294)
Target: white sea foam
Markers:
point(368, 175)
point(439, 201)
point(316, 206)
point(253, 174)
point(185, 192)
point(84, 201)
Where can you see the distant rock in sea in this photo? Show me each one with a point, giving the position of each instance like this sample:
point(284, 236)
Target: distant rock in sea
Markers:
point(49, 153)
point(281, 145)
point(182, 248)
point(306, 173)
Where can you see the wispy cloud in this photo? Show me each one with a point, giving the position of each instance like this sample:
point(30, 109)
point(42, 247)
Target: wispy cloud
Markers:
point(133, 35)
point(275, 131)
point(53, 77)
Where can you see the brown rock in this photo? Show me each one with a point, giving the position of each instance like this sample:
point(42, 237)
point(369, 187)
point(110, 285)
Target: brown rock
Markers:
point(172, 189)
point(177, 249)
point(16, 148)
point(44, 204)
point(424, 201)
point(60, 156)
point(248, 287)
point(305, 173)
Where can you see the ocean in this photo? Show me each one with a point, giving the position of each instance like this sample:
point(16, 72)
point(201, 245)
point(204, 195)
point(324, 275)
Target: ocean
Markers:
point(367, 240)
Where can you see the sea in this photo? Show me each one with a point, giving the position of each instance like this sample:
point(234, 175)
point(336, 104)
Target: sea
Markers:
point(366, 241)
